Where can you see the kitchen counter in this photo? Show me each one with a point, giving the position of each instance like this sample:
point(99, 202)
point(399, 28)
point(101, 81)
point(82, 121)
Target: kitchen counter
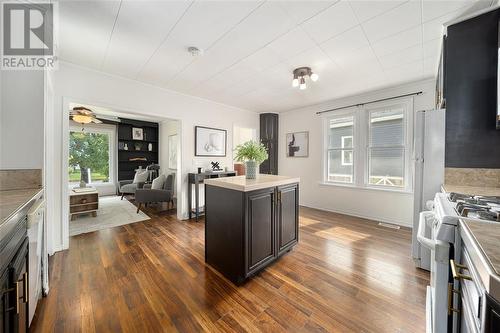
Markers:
point(240, 183)
point(249, 224)
point(11, 201)
point(472, 190)
point(482, 239)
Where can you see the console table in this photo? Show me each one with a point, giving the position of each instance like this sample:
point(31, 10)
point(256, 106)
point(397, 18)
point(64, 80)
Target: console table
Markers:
point(196, 179)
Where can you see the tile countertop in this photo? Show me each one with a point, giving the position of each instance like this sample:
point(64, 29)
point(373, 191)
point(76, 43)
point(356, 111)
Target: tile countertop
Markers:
point(472, 190)
point(482, 241)
point(240, 183)
point(12, 201)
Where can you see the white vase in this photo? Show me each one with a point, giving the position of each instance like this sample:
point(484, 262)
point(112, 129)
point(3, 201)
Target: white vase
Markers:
point(251, 169)
point(150, 147)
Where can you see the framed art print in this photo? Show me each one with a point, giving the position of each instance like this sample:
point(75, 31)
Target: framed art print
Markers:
point(210, 141)
point(137, 133)
point(297, 144)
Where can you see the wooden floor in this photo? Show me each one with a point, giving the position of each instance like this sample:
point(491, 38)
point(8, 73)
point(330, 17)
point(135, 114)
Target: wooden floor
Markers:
point(346, 275)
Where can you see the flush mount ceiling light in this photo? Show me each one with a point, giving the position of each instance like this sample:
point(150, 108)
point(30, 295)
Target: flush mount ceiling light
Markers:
point(299, 77)
point(83, 115)
point(194, 51)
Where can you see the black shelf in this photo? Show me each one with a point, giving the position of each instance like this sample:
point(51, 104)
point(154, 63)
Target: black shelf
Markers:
point(126, 168)
point(143, 141)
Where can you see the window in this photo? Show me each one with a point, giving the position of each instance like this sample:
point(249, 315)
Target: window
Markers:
point(368, 147)
point(386, 150)
point(90, 156)
point(340, 149)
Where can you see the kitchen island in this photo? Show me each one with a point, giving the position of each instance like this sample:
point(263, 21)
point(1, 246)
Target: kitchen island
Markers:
point(249, 223)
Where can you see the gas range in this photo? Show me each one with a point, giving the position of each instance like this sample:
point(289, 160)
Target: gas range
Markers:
point(476, 207)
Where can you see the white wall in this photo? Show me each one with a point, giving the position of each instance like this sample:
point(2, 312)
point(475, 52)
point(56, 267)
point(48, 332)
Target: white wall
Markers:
point(21, 119)
point(391, 207)
point(168, 128)
point(82, 85)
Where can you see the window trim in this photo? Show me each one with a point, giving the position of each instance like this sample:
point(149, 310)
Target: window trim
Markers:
point(361, 148)
point(102, 129)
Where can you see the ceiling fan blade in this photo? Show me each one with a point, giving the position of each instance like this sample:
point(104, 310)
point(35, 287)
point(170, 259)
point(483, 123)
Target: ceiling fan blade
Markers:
point(96, 121)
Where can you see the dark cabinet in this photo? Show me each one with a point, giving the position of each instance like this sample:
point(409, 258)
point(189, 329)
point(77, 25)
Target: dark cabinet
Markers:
point(261, 228)
point(269, 137)
point(247, 231)
point(492, 315)
point(14, 293)
point(288, 216)
point(470, 90)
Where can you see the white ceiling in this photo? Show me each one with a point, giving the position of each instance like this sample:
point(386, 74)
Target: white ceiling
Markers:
point(251, 47)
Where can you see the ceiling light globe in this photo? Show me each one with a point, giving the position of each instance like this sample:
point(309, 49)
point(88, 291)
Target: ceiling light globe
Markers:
point(314, 77)
point(295, 82)
point(302, 86)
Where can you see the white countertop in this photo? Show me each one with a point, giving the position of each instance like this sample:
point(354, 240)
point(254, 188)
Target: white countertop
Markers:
point(240, 183)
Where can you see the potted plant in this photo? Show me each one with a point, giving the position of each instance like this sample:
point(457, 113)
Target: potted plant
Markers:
point(252, 154)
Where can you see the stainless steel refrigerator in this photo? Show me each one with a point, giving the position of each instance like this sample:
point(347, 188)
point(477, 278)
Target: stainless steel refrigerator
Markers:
point(428, 157)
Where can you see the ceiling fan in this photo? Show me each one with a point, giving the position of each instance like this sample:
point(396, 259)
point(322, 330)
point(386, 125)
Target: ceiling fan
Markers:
point(83, 115)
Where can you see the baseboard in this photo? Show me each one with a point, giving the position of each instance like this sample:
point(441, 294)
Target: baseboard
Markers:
point(57, 248)
point(355, 214)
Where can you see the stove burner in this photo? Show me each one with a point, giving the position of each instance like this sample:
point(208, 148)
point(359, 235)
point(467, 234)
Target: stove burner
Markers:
point(483, 212)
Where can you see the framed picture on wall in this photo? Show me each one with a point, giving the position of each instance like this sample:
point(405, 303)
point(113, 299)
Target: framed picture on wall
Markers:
point(297, 144)
point(172, 151)
point(137, 133)
point(209, 141)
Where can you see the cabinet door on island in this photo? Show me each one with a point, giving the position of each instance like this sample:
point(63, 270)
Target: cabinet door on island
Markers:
point(288, 217)
point(261, 228)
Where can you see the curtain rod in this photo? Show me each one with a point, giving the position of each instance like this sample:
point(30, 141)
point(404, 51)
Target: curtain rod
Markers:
point(378, 100)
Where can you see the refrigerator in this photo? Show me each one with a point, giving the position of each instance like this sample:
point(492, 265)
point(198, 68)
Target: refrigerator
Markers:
point(428, 158)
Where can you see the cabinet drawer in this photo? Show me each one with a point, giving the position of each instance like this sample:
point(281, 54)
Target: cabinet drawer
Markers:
point(83, 199)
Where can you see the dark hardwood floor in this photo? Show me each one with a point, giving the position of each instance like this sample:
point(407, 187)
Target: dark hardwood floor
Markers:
point(346, 275)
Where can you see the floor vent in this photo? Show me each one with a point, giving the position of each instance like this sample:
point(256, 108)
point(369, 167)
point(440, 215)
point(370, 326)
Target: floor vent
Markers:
point(388, 225)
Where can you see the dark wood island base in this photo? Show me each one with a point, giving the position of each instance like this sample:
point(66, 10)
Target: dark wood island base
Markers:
point(249, 227)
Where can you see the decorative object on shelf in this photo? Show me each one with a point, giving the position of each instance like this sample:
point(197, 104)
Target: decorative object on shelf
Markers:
point(172, 151)
point(252, 154)
point(200, 170)
point(210, 141)
point(83, 115)
point(133, 159)
point(150, 146)
point(297, 144)
point(215, 166)
point(121, 145)
point(137, 146)
point(299, 77)
point(125, 147)
point(137, 133)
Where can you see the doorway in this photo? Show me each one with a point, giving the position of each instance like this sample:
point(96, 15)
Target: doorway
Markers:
point(103, 157)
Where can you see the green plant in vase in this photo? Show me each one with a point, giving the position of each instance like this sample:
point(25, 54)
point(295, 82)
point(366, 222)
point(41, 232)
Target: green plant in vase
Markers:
point(252, 154)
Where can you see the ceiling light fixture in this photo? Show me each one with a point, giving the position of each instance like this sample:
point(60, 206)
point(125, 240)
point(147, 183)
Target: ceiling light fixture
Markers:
point(299, 77)
point(194, 51)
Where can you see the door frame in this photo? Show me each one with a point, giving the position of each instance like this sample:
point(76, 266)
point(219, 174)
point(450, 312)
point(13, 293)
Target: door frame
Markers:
point(124, 110)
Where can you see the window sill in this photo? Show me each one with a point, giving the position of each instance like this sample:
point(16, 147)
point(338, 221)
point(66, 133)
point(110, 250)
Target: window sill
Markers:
point(366, 188)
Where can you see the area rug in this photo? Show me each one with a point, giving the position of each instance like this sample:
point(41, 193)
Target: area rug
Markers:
point(112, 212)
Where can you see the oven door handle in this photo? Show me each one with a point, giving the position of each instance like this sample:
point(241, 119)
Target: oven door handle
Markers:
point(440, 248)
point(422, 239)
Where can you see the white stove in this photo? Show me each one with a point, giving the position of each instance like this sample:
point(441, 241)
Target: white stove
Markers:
point(438, 232)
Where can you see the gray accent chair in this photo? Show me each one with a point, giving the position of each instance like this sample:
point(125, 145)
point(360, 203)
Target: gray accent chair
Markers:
point(147, 195)
point(128, 187)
